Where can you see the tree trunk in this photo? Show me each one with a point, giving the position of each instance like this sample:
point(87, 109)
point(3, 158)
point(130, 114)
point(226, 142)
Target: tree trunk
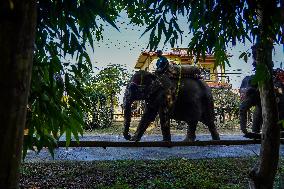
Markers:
point(263, 174)
point(282, 20)
point(17, 35)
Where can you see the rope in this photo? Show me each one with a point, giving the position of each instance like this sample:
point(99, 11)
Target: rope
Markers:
point(179, 81)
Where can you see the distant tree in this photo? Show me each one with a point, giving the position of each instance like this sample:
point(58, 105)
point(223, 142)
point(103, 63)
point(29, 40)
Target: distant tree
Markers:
point(110, 81)
point(104, 89)
point(226, 103)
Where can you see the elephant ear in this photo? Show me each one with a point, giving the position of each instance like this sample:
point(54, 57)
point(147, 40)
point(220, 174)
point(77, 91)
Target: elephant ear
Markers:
point(148, 78)
point(153, 77)
point(136, 78)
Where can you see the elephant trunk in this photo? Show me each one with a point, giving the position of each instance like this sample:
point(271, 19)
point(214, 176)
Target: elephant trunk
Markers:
point(127, 102)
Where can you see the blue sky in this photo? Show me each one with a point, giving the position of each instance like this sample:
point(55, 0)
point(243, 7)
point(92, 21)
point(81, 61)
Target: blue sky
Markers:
point(124, 46)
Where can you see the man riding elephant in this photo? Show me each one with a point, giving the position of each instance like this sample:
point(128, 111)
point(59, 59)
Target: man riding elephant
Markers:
point(162, 62)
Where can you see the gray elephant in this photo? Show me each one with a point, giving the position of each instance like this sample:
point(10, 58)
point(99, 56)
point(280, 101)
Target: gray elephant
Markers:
point(184, 98)
point(250, 97)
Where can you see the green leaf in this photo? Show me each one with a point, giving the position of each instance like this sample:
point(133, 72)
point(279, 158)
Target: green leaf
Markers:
point(242, 55)
point(261, 74)
point(152, 25)
point(246, 58)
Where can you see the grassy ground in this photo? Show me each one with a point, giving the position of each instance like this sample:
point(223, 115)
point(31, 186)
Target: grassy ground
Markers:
point(221, 173)
point(159, 174)
point(230, 127)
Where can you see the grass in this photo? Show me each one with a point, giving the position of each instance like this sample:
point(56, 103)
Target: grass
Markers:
point(230, 127)
point(222, 173)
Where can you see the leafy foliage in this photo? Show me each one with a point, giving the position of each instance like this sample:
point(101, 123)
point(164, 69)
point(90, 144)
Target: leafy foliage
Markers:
point(100, 116)
point(110, 80)
point(58, 98)
point(213, 24)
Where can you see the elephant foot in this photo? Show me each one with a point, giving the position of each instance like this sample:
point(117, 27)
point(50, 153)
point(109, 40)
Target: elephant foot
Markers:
point(167, 139)
point(252, 135)
point(189, 139)
point(255, 130)
point(245, 131)
point(127, 136)
point(135, 138)
point(216, 137)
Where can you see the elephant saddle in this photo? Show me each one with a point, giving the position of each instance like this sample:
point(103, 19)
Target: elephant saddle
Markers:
point(184, 71)
point(278, 78)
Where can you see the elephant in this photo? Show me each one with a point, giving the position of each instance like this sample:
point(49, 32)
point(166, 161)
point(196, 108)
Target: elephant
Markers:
point(183, 98)
point(250, 97)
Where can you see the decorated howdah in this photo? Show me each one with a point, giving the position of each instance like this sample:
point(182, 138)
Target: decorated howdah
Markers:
point(214, 76)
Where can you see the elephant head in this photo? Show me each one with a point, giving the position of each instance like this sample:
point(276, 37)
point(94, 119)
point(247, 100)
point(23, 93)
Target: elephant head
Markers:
point(142, 86)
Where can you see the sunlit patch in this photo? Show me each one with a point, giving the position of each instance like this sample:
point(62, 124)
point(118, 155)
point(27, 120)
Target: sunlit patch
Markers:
point(11, 4)
point(26, 131)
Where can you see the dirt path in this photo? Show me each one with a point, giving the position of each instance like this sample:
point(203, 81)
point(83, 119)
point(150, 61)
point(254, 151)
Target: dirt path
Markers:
point(154, 153)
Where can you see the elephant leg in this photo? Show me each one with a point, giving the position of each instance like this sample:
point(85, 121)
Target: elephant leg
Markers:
point(148, 117)
point(190, 134)
point(213, 130)
point(165, 126)
point(257, 120)
point(244, 108)
point(127, 121)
